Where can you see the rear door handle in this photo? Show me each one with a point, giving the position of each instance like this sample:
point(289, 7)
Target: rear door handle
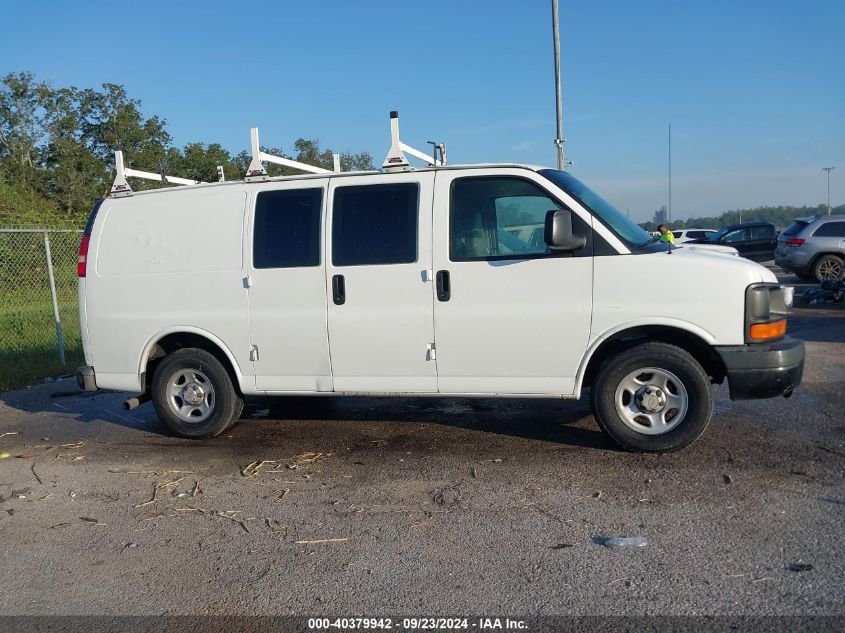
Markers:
point(339, 290)
point(444, 285)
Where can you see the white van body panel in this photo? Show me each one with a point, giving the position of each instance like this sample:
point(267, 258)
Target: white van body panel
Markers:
point(682, 286)
point(380, 337)
point(516, 326)
point(288, 312)
point(157, 262)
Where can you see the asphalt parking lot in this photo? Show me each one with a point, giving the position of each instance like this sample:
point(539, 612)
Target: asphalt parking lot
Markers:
point(344, 506)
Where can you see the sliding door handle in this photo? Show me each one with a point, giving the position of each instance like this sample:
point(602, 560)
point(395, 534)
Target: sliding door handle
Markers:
point(339, 290)
point(444, 285)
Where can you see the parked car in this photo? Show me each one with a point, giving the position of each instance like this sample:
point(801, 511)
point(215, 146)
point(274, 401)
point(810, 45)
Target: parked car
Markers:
point(753, 240)
point(813, 247)
point(685, 235)
point(419, 281)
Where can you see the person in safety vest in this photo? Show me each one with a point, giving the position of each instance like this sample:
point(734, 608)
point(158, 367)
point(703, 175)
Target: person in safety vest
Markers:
point(666, 234)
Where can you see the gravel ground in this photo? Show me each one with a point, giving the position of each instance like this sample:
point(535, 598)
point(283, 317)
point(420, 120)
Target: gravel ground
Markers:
point(372, 506)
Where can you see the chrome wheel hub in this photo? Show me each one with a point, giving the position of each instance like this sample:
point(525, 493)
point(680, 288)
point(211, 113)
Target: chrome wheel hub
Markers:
point(651, 400)
point(190, 395)
point(193, 394)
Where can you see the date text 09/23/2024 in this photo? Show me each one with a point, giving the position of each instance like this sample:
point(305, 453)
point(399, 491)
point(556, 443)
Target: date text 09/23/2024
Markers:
point(417, 624)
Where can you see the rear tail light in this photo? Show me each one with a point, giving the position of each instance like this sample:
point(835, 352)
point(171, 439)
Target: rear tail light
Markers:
point(82, 262)
point(794, 241)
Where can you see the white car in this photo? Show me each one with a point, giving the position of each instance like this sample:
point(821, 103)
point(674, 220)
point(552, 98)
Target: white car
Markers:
point(684, 235)
point(486, 280)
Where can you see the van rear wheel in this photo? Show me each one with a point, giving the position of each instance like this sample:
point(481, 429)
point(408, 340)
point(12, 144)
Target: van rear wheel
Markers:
point(653, 398)
point(193, 394)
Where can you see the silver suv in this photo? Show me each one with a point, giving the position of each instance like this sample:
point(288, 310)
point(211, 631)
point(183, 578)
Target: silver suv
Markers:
point(813, 247)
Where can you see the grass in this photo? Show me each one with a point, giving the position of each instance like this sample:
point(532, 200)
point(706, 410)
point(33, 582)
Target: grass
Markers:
point(28, 347)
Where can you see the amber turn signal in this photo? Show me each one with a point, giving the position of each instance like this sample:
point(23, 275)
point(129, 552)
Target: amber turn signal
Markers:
point(763, 331)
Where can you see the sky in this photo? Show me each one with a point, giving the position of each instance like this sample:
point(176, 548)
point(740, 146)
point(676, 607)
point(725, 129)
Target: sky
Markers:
point(754, 90)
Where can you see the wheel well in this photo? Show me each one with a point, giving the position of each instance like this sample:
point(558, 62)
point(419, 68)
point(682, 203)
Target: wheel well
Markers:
point(181, 340)
point(621, 341)
point(818, 256)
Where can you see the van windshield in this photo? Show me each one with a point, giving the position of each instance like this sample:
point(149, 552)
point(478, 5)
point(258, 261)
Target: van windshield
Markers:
point(631, 235)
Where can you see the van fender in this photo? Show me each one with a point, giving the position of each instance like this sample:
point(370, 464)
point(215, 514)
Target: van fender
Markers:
point(200, 332)
point(602, 338)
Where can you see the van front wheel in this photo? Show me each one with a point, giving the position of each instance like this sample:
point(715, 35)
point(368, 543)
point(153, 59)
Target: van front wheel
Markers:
point(193, 394)
point(653, 398)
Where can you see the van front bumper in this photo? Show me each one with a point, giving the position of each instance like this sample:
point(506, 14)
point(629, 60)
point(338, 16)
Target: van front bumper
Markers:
point(86, 378)
point(764, 370)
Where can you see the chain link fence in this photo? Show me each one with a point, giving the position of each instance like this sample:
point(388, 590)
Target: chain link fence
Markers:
point(39, 317)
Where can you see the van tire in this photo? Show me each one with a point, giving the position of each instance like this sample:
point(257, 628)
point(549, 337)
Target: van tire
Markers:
point(195, 374)
point(683, 389)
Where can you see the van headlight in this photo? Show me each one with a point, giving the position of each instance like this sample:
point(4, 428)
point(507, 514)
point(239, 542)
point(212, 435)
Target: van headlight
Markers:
point(765, 313)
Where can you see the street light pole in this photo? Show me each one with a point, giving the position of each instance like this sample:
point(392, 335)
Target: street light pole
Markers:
point(669, 219)
point(559, 103)
point(828, 170)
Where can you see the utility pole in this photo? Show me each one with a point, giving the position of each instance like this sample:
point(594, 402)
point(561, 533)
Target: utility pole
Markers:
point(559, 138)
point(828, 170)
point(669, 214)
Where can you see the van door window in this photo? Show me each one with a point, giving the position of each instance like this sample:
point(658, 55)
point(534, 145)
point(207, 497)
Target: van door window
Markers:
point(375, 224)
point(498, 218)
point(286, 233)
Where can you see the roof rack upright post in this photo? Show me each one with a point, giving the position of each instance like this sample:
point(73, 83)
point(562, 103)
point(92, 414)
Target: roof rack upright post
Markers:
point(121, 186)
point(256, 169)
point(396, 160)
point(336, 158)
point(395, 156)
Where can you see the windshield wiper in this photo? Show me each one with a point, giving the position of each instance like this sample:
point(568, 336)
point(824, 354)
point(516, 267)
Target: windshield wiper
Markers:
point(650, 241)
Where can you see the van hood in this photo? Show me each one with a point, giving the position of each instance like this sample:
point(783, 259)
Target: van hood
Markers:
point(716, 248)
point(717, 261)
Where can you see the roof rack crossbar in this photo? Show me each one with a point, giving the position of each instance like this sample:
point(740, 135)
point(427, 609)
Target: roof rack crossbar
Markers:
point(256, 169)
point(396, 159)
point(121, 186)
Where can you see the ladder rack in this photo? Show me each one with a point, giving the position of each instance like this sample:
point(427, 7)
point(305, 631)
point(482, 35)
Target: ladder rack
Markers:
point(396, 160)
point(256, 169)
point(121, 185)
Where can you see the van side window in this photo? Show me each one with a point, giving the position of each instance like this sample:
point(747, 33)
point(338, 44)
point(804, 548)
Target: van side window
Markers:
point(375, 224)
point(497, 217)
point(286, 233)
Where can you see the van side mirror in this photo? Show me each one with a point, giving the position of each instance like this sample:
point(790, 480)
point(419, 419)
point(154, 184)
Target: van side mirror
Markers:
point(558, 231)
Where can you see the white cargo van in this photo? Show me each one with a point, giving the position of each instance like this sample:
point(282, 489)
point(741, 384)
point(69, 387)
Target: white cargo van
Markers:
point(484, 280)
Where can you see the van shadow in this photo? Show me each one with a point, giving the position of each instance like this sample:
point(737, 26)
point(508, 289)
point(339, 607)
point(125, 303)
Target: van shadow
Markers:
point(267, 421)
point(565, 422)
